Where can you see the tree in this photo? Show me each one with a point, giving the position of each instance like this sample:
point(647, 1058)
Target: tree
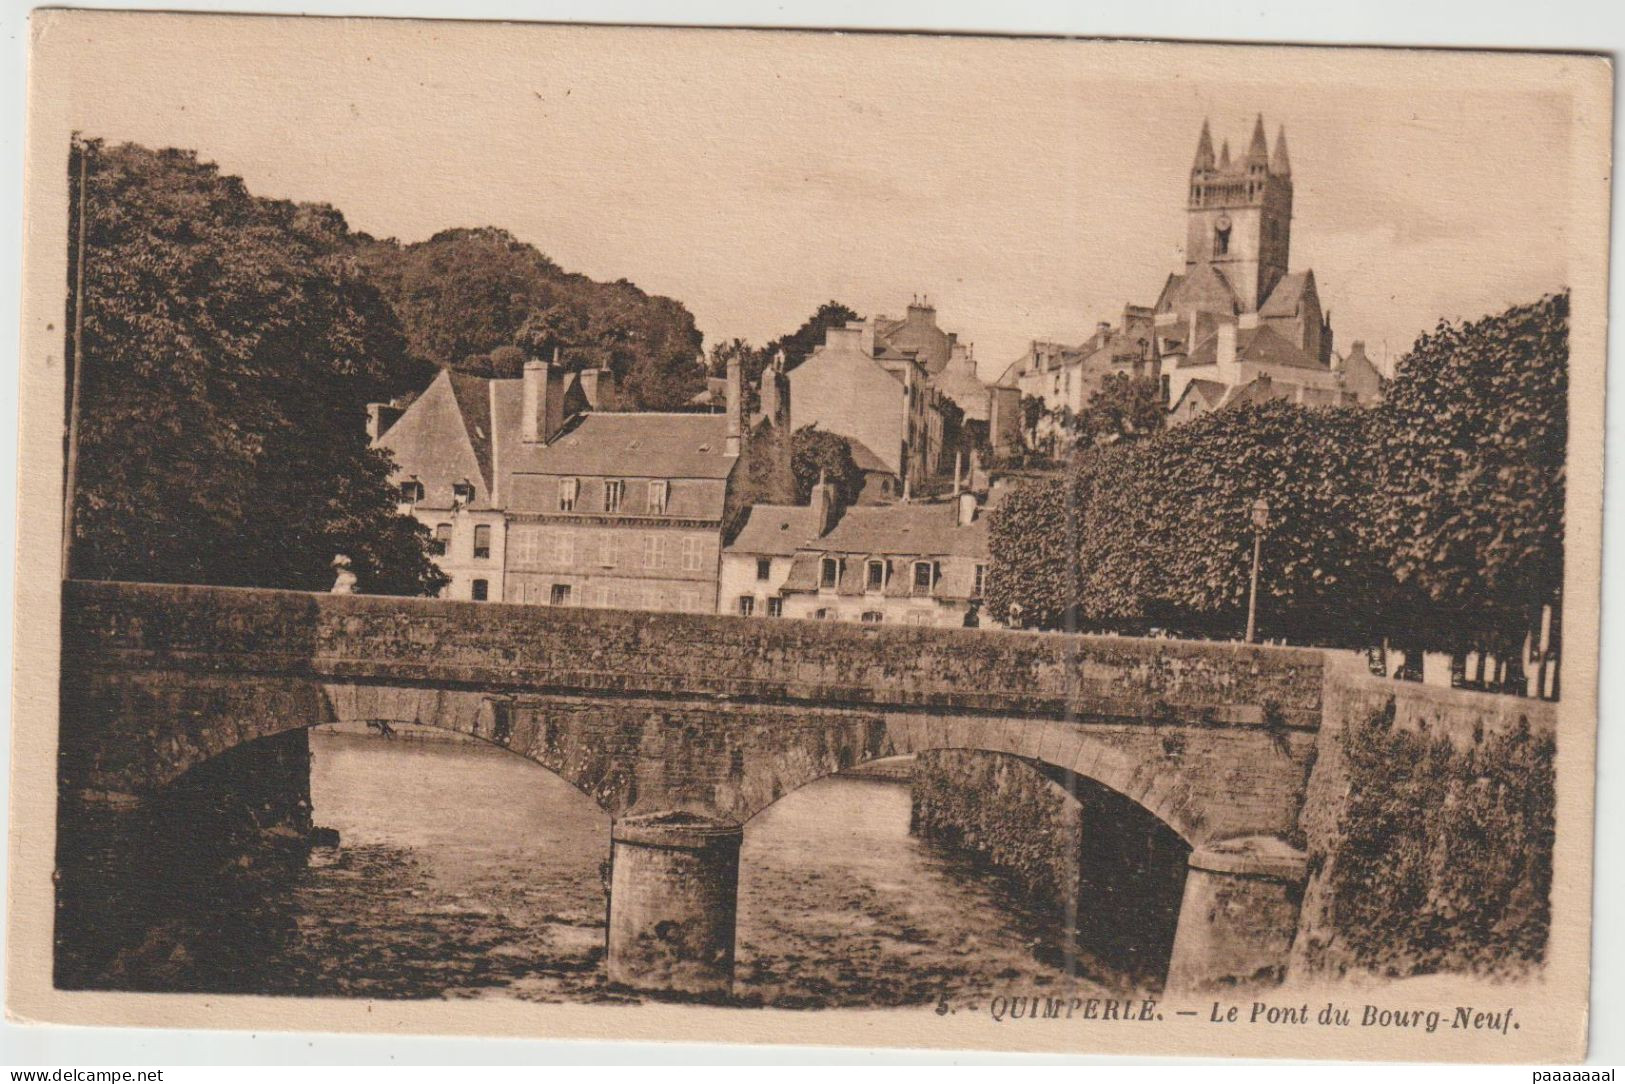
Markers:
point(814, 452)
point(469, 292)
point(1124, 407)
point(1472, 482)
point(810, 335)
point(1158, 532)
point(1033, 411)
point(230, 349)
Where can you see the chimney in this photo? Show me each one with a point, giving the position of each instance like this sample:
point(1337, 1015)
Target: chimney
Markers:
point(959, 463)
point(823, 504)
point(775, 393)
point(967, 509)
point(1225, 353)
point(542, 401)
point(1103, 329)
point(533, 401)
point(380, 416)
point(598, 385)
point(734, 431)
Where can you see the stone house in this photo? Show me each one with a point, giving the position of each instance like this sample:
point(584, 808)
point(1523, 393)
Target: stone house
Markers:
point(914, 563)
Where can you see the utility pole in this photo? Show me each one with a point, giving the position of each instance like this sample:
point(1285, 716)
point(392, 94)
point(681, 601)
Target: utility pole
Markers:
point(1261, 522)
point(70, 489)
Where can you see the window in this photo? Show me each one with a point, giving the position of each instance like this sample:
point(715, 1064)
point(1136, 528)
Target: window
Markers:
point(654, 548)
point(482, 541)
point(569, 490)
point(775, 607)
point(876, 578)
point(821, 615)
point(525, 546)
point(1221, 240)
point(873, 617)
point(614, 491)
point(606, 549)
point(693, 553)
point(564, 548)
point(764, 568)
point(981, 578)
point(480, 590)
point(922, 577)
point(463, 492)
point(560, 595)
point(657, 498)
point(411, 490)
point(747, 605)
point(829, 572)
point(442, 539)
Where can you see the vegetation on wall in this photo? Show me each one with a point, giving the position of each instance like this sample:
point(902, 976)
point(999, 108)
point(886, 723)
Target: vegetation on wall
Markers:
point(230, 349)
point(1444, 856)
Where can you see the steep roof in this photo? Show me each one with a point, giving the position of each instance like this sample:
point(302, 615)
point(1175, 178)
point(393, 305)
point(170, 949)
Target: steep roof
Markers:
point(629, 446)
point(776, 530)
point(473, 395)
point(1288, 294)
point(1204, 288)
point(865, 458)
point(1259, 345)
point(1211, 392)
point(919, 529)
point(444, 437)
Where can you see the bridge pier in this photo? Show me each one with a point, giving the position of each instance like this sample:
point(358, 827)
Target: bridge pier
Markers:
point(673, 896)
point(1238, 917)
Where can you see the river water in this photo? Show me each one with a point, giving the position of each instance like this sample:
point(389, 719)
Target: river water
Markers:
point(465, 871)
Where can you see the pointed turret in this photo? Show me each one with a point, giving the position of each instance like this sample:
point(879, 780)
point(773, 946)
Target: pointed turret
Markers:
point(1204, 150)
point(1280, 165)
point(1224, 156)
point(1258, 153)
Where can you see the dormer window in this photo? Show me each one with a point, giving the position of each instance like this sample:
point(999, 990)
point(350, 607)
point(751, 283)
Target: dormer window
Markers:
point(875, 577)
point(411, 490)
point(829, 573)
point(463, 492)
point(657, 498)
point(569, 489)
point(614, 493)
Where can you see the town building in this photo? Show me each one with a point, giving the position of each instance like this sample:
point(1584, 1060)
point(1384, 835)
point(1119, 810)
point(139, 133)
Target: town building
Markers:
point(446, 478)
point(576, 506)
point(882, 400)
point(1237, 325)
point(913, 563)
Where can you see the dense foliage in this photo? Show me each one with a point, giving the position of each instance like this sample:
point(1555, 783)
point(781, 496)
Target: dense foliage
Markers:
point(465, 294)
point(815, 453)
point(1472, 478)
point(230, 349)
point(1158, 533)
point(1445, 855)
point(1435, 520)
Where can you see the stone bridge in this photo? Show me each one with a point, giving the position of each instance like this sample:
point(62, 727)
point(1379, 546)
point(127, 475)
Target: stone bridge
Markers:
point(683, 727)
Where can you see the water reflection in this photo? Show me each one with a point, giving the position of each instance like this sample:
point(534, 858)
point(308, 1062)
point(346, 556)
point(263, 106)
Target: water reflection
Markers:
point(465, 871)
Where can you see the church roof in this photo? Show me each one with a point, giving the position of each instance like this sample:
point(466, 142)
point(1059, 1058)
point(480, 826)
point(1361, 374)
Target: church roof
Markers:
point(1204, 287)
point(1288, 295)
point(1259, 345)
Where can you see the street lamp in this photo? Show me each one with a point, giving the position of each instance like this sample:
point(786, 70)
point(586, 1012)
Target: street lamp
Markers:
point(1261, 523)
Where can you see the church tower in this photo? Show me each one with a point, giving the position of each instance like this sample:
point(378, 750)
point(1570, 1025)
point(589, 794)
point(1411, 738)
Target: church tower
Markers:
point(1239, 219)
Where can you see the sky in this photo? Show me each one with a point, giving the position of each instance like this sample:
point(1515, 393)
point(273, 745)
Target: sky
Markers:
point(1030, 188)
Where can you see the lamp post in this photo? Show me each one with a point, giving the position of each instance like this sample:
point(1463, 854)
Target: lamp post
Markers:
point(1261, 522)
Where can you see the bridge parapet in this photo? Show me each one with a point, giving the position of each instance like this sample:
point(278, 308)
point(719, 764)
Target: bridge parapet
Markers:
point(611, 652)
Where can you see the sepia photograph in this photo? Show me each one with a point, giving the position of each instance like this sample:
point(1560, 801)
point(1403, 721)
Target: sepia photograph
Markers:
point(744, 535)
